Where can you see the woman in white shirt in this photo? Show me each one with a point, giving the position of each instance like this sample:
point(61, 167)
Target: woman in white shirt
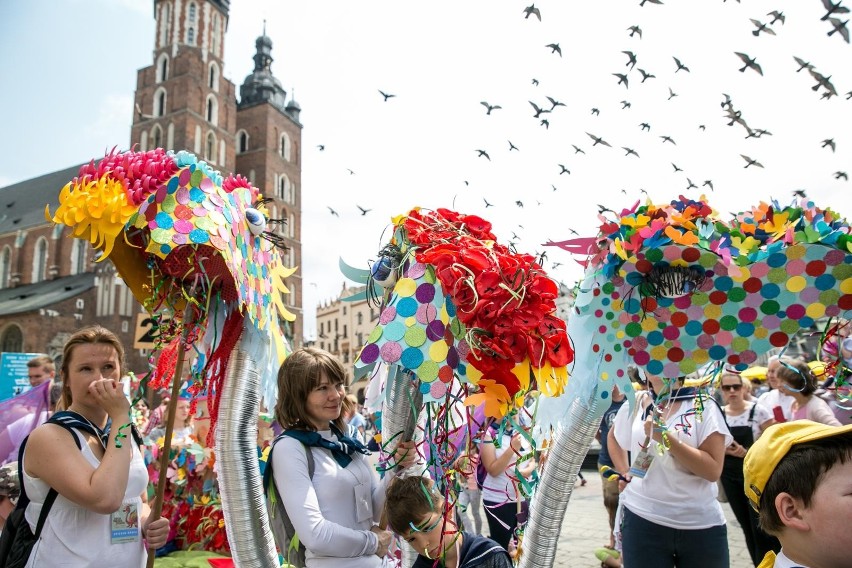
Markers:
point(100, 517)
point(336, 511)
point(670, 515)
point(746, 421)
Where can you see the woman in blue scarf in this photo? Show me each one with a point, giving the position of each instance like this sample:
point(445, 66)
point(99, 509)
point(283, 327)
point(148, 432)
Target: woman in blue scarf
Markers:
point(332, 496)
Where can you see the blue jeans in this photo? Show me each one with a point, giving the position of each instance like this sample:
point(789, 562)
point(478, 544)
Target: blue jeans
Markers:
point(649, 545)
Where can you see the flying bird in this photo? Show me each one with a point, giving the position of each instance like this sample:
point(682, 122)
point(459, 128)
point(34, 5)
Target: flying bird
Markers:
point(573, 232)
point(604, 209)
point(519, 203)
point(490, 107)
point(844, 175)
point(833, 8)
point(839, 27)
point(598, 140)
point(676, 169)
point(554, 103)
point(631, 59)
point(629, 151)
point(799, 193)
point(822, 81)
point(596, 111)
point(751, 162)
point(708, 183)
point(621, 79)
point(680, 65)
point(668, 139)
point(386, 95)
point(749, 62)
point(531, 10)
point(546, 123)
point(535, 82)
point(351, 173)
point(363, 211)
point(512, 146)
point(672, 94)
point(487, 205)
point(830, 143)
point(564, 170)
point(578, 150)
point(483, 153)
point(702, 127)
point(645, 126)
point(635, 30)
point(803, 64)
point(646, 75)
point(642, 3)
point(761, 27)
point(691, 185)
point(538, 111)
point(625, 104)
point(554, 48)
point(333, 212)
point(321, 147)
point(776, 15)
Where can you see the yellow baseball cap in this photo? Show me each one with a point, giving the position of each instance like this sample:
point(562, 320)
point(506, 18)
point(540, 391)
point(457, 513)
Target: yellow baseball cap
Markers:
point(773, 445)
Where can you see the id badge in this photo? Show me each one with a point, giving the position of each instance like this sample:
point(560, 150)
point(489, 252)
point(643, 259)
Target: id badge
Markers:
point(124, 524)
point(642, 463)
point(363, 502)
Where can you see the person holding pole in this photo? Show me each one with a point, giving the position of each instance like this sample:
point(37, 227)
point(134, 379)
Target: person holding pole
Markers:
point(100, 517)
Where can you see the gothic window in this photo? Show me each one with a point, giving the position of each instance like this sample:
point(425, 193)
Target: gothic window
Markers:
point(156, 137)
point(192, 12)
point(283, 188)
point(291, 225)
point(5, 266)
point(242, 141)
point(190, 36)
point(165, 20)
point(160, 102)
point(163, 68)
point(213, 77)
point(13, 340)
point(212, 110)
point(143, 141)
point(210, 148)
point(214, 45)
point(284, 147)
point(78, 256)
point(39, 261)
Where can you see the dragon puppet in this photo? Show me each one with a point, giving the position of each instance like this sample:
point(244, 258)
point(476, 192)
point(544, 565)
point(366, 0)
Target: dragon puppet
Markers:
point(467, 333)
point(194, 247)
point(676, 290)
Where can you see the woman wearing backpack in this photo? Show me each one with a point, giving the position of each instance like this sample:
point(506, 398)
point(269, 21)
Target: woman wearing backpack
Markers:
point(329, 489)
point(746, 421)
point(99, 517)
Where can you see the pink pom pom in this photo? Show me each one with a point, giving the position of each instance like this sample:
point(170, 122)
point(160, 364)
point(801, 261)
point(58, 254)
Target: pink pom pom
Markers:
point(141, 173)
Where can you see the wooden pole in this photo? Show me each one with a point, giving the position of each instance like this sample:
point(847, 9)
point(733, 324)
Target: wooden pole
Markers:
point(157, 506)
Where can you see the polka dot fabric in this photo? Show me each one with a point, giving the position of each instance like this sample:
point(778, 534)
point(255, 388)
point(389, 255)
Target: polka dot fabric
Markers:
point(419, 331)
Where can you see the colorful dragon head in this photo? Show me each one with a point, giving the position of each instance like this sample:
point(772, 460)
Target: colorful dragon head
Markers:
point(673, 288)
point(458, 305)
point(179, 235)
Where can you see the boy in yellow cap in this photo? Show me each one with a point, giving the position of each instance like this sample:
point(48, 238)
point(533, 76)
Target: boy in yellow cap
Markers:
point(798, 476)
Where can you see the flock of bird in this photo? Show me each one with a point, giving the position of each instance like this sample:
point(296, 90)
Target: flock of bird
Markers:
point(634, 74)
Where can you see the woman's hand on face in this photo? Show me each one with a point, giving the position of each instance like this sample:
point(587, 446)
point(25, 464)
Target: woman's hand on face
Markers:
point(109, 395)
point(405, 454)
point(384, 541)
point(156, 532)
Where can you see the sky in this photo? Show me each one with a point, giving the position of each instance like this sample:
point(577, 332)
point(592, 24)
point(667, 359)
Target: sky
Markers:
point(69, 74)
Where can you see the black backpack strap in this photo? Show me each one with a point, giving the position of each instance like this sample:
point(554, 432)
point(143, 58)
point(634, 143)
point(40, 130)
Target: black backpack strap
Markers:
point(23, 500)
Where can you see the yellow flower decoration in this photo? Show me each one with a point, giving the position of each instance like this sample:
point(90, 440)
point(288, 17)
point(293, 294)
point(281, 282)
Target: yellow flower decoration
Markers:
point(494, 396)
point(96, 209)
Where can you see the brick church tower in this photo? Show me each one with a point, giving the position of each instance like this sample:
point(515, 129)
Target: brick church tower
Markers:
point(183, 102)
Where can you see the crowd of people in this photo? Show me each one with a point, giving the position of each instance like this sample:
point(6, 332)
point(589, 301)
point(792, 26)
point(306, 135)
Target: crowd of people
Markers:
point(667, 461)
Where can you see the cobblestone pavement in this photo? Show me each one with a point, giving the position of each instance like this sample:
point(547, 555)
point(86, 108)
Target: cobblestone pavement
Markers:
point(586, 528)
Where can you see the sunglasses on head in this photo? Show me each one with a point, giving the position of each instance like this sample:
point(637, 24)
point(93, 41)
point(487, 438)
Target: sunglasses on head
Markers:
point(731, 387)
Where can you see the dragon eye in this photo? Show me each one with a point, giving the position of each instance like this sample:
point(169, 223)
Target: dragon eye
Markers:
point(256, 221)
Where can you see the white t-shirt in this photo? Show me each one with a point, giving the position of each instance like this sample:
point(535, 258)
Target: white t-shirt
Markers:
point(332, 513)
point(775, 398)
point(501, 488)
point(670, 495)
point(761, 415)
